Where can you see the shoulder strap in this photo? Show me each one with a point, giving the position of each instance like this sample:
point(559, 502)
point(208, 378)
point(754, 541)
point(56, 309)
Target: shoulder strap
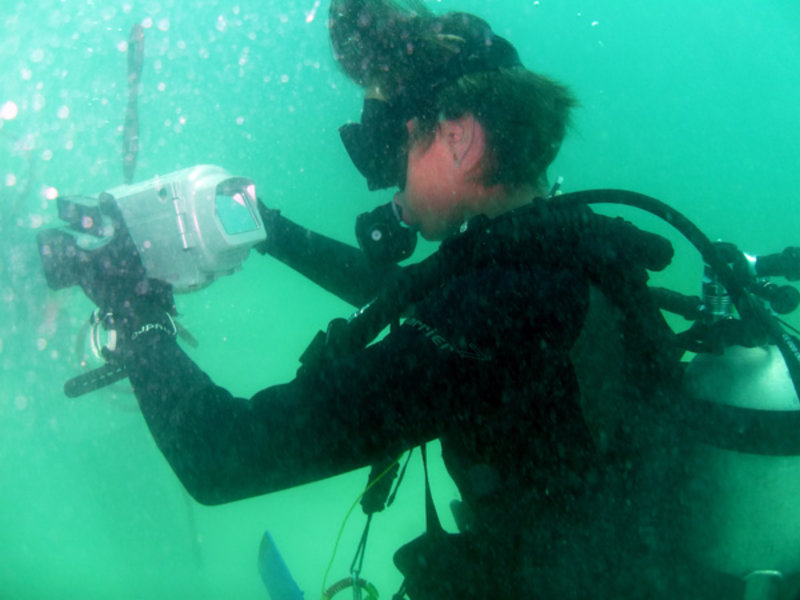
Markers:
point(432, 523)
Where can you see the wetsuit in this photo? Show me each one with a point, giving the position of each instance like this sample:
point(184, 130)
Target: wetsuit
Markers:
point(482, 363)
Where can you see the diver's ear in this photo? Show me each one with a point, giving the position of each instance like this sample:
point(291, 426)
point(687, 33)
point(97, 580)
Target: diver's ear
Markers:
point(464, 138)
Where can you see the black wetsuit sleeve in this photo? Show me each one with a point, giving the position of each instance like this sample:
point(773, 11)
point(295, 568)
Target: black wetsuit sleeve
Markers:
point(346, 414)
point(337, 267)
point(432, 373)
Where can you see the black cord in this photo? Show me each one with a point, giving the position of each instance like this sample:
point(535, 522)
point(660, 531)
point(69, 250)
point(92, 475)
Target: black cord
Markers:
point(361, 550)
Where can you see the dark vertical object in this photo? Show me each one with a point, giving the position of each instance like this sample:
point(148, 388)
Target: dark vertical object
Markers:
point(130, 134)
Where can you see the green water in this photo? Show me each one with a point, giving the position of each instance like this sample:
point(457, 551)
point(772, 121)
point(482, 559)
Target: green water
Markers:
point(695, 103)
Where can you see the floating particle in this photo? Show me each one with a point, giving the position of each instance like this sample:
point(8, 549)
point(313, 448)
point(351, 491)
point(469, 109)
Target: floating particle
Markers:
point(311, 14)
point(35, 221)
point(9, 111)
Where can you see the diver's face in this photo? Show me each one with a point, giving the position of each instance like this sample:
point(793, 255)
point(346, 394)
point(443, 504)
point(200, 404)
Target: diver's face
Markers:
point(430, 199)
point(440, 186)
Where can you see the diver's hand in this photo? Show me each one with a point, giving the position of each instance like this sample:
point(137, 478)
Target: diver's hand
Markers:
point(114, 278)
point(122, 294)
point(128, 305)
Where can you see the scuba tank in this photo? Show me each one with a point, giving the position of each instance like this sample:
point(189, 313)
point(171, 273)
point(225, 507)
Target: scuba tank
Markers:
point(742, 459)
point(742, 510)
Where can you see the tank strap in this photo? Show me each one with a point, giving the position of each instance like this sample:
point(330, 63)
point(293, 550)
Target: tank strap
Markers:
point(432, 523)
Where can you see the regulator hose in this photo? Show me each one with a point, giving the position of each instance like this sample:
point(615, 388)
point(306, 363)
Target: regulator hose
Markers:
point(564, 220)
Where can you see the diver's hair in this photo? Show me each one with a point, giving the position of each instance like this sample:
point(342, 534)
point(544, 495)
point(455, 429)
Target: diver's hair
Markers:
point(387, 43)
point(525, 116)
point(418, 59)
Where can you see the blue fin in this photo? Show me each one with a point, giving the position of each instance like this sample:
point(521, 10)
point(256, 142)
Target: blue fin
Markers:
point(274, 572)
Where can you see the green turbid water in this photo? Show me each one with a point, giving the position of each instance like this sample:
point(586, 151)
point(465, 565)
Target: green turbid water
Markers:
point(697, 104)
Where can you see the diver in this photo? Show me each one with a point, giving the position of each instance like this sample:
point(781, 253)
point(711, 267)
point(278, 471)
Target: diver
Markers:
point(483, 360)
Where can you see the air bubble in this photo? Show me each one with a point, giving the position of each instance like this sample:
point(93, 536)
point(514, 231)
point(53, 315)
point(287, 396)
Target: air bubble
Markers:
point(9, 111)
point(35, 221)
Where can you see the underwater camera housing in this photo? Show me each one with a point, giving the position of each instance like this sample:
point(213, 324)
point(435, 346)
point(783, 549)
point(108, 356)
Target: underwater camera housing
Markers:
point(186, 228)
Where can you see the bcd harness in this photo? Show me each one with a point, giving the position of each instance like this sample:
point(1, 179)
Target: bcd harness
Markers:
point(610, 252)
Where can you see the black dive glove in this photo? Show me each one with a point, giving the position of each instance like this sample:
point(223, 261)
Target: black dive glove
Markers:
point(270, 217)
point(129, 308)
point(132, 308)
point(130, 304)
point(115, 279)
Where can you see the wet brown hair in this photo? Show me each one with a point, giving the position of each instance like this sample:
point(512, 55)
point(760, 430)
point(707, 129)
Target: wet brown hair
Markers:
point(433, 67)
point(525, 116)
point(380, 42)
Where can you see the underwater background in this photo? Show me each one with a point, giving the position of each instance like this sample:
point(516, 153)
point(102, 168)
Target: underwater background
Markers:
point(697, 104)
